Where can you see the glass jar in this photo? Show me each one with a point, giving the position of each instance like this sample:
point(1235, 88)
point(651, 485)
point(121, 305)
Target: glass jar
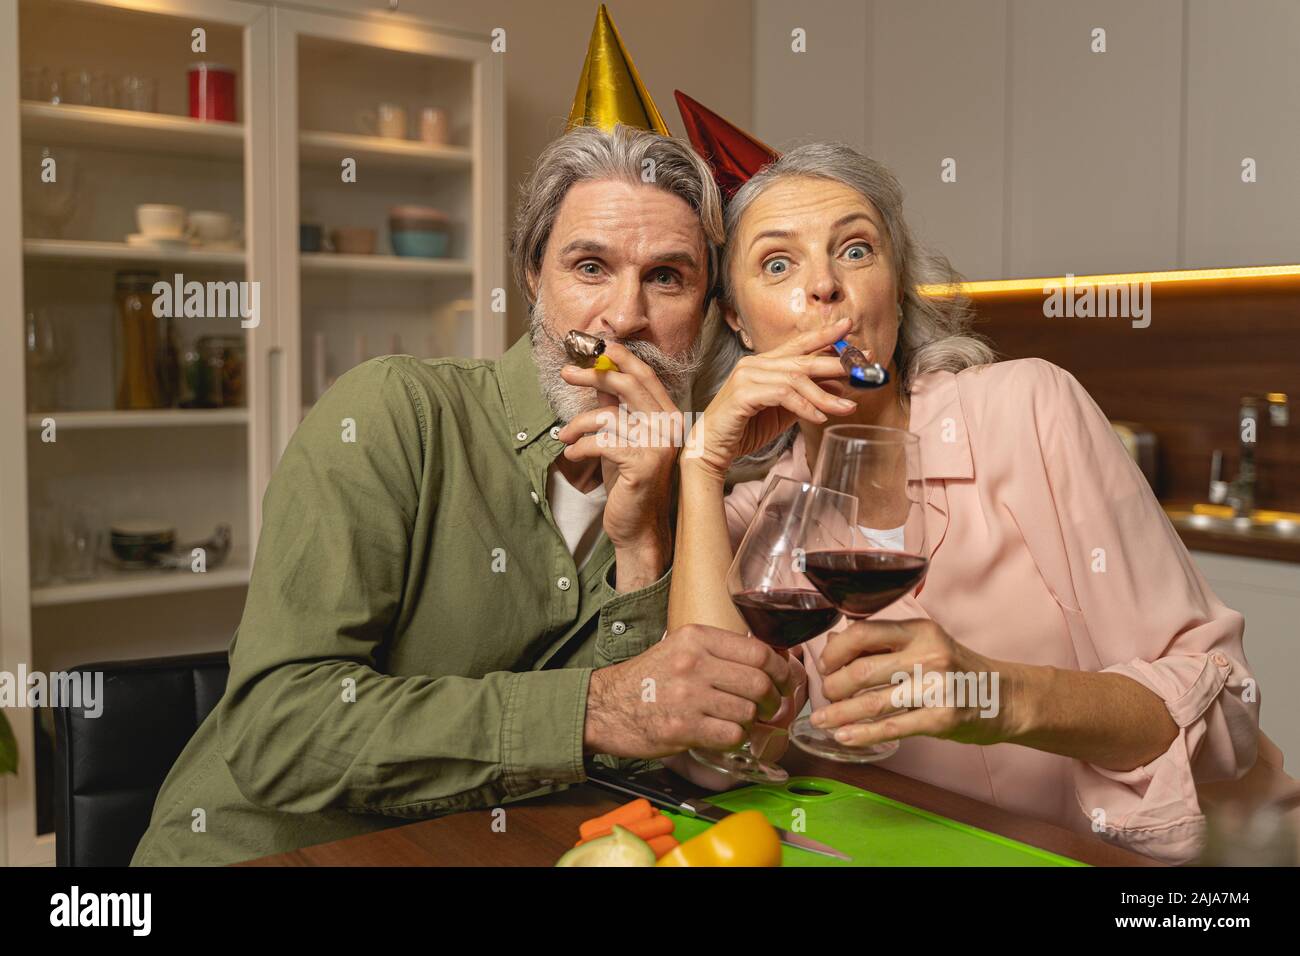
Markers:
point(135, 340)
point(226, 359)
point(201, 369)
point(169, 363)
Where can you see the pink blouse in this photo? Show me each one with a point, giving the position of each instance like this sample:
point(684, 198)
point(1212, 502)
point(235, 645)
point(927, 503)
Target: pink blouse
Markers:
point(1048, 547)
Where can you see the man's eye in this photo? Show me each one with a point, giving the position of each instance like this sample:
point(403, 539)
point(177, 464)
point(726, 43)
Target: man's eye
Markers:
point(858, 251)
point(777, 267)
point(589, 268)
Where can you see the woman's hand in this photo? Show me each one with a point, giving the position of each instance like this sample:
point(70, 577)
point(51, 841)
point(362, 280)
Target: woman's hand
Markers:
point(961, 696)
point(765, 394)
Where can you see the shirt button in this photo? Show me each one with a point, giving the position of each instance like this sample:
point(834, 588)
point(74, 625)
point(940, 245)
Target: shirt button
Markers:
point(533, 495)
point(1220, 660)
point(522, 436)
point(563, 584)
point(618, 627)
point(555, 432)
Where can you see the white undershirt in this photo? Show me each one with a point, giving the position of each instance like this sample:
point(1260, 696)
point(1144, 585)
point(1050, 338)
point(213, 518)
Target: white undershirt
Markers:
point(889, 539)
point(578, 516)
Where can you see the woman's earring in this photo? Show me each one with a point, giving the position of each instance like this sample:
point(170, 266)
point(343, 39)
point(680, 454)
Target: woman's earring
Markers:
point(744, 339)
point(900, 312)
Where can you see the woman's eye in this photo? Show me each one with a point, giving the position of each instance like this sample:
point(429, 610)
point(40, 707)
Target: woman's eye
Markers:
point(665, 277)
point(777, 267)
point(858, 251)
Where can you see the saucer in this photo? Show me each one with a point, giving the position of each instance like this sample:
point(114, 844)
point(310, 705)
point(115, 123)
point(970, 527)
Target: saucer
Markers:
point(217, 245)
point(139, 240)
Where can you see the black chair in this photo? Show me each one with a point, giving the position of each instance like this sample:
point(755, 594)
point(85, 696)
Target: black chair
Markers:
point(108, 769)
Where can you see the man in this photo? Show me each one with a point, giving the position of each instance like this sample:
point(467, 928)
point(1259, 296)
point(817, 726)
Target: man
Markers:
point(445, 612)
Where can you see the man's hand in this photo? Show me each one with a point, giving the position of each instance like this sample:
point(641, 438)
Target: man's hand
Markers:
point(698, 687)
point(637, 467)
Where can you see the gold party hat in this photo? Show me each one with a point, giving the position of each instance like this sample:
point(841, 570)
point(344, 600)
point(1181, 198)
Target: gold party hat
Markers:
point(610, 91)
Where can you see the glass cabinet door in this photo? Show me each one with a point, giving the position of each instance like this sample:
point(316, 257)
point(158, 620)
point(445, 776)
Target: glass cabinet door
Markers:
point(390, 170)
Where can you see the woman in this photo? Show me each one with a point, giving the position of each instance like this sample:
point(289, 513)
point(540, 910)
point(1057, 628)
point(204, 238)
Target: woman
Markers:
point(1123, 680)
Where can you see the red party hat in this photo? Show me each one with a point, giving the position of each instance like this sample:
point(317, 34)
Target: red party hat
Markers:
point(733, 154)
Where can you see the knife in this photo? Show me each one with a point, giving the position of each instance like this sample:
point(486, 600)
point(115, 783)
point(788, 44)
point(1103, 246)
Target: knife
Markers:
point(658, 788)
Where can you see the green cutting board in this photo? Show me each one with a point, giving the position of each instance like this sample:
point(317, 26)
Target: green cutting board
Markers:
point(874, 830)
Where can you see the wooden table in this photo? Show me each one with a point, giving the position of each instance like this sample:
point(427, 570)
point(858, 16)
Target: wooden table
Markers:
point(541, 830)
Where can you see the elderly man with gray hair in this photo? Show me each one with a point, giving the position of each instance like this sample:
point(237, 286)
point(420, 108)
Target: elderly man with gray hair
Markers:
point(460, 591)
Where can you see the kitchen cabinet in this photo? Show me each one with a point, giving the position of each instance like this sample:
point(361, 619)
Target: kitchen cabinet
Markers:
point(961, 50)
point(1094, 144)
point(1267, 593)
point(303, 78)
point(1243, 103)
point(1067, 160)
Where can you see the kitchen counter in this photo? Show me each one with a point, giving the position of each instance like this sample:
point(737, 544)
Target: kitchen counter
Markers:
point(1220, 535)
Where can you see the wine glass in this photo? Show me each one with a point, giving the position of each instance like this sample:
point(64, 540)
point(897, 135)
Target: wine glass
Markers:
point(50, 191)
point(767, 584)
point(886, 558)
point(46, 352)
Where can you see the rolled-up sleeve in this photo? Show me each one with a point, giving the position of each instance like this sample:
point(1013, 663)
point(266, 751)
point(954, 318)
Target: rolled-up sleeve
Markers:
point(1139, 607)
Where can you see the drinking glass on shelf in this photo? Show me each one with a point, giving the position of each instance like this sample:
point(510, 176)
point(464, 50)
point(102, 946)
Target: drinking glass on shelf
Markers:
point(767, 584)
point(50, 199)
point(82, 540)
point(44, 529)
point(35, 82)
point(136, 92)
point(45, 352)
point(82, 87)
point(886, 557)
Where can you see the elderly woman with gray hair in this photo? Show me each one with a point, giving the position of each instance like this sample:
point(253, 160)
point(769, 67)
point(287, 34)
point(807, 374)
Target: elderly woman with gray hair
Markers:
point(1124, 686)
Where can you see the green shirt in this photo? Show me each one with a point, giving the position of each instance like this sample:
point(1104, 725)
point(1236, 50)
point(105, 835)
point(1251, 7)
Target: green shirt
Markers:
point(416, 639)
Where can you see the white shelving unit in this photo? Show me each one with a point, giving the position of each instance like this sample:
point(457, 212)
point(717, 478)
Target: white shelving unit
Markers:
point(387, 266)
point(114, 585)
point(144, 418)
point(65, 124)
point(119, 253)
point(329, 70)
point(327, 149)
point(303, 78)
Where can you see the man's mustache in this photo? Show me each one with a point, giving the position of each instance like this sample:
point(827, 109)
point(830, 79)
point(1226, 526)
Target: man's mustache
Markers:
point(671, 370)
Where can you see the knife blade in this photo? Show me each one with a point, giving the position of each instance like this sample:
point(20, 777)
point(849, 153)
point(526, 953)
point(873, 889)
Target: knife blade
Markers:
point(658, 787)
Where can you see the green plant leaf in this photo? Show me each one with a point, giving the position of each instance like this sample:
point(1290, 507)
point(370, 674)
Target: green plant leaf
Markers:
point(8, 747)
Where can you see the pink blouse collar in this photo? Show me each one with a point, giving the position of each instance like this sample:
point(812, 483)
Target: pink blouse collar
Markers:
point(936, 417)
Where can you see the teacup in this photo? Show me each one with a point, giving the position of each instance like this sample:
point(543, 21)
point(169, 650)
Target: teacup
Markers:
point(208, 226)
point(160, 221)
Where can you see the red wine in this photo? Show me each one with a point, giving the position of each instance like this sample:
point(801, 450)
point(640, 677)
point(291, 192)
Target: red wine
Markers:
point(784, 617)
point(862, 582)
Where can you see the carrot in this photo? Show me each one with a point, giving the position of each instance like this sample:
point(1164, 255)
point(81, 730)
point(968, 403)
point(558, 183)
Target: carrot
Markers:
point(662, 844)
point(638, 809)
point(657, 825)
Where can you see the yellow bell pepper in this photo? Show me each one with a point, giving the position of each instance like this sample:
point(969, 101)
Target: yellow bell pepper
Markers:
point(742, 839)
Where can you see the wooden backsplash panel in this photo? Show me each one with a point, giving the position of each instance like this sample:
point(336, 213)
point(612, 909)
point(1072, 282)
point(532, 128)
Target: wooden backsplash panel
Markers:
point(1183, 376)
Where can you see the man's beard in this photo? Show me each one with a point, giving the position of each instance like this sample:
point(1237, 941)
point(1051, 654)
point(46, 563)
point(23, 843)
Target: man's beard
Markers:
point(569, 401)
